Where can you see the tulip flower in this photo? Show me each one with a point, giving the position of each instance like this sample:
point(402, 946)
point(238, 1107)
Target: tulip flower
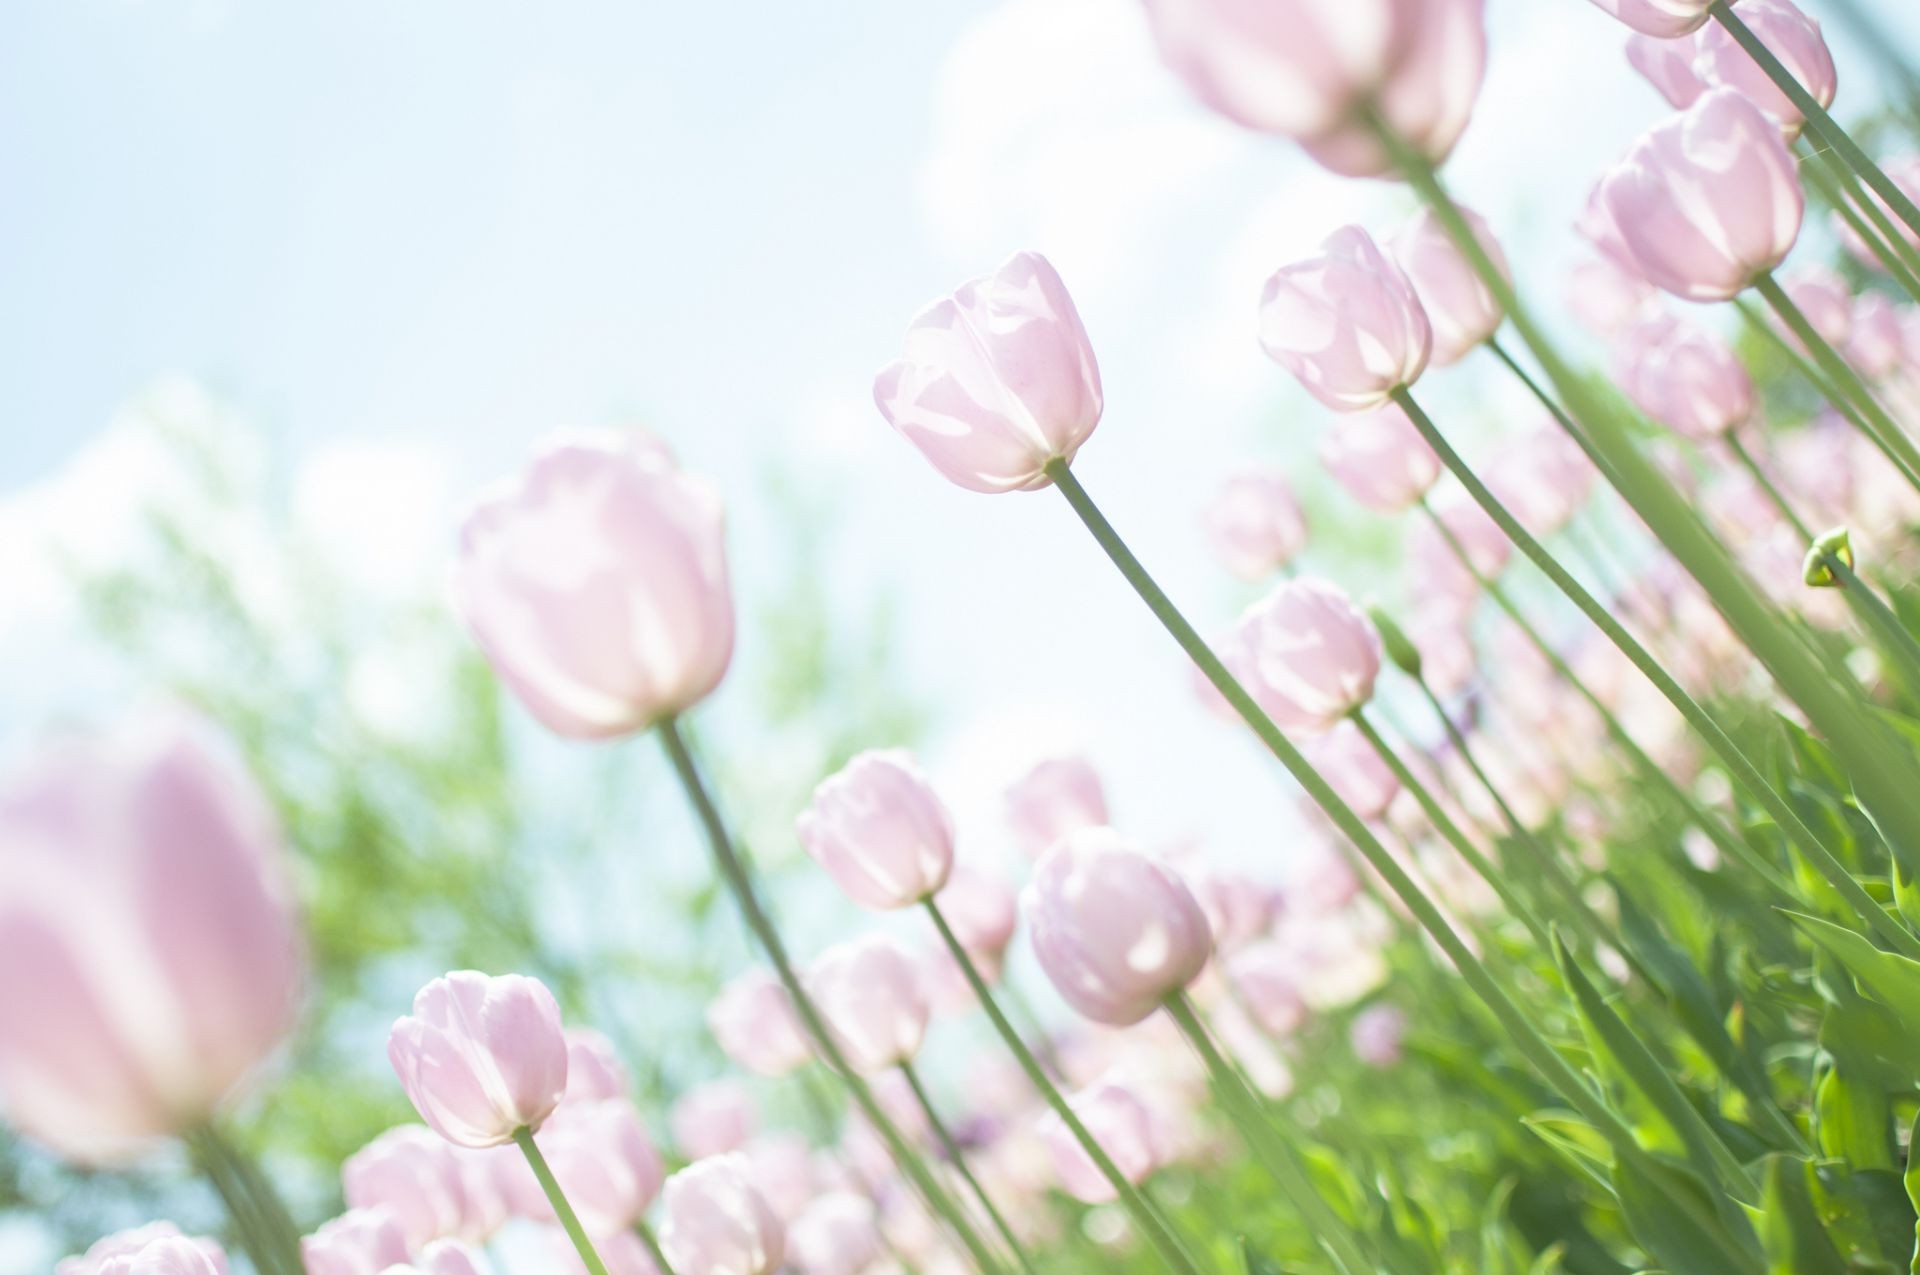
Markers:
point(1347, 761)
point(1123, 1126)
point(166, 1256)
point(871, 993)
point(996, 380)
point(1708, 201)
point(1662, 19)
point(1436, 563)
point(1439, 632)
point(594, 1069)
point(1346, 323)
point(1460, 308)
point(1876, 345)
point(1826, 301)
point(783, 1168)
point(417, 1176)
point(481, 1058)
point(1684, 379)
point(754, 1023)
point(1058, 796)
point(449, 1257)
point(137, 1243)
point(1607, 299)
point(714, 1119)
point(1377, 1034)
point(1116, 931)
point(1668, 66)
point(880, 831)
point(1264, 977)
point(983, 912)
point(1256, 524)
point(714, 1220)
point(596, 586)
point(1239, 908)
point(607, 1166)
point(1307, 654)
point(358, 1242)
point(1793, 37)
point(837, 1234)
point(153, 834)
point(1543, 480)
point(1380, 459)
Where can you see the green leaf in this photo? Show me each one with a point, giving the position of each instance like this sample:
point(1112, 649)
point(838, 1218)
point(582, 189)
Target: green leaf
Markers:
point(1871, 1042)
point(1853, 1120)
point(1674, 1217)
point(1912, 1180)
point(1888, 977)
point(1582, 1144)
point(1257, 1263)
point(1790, 1230)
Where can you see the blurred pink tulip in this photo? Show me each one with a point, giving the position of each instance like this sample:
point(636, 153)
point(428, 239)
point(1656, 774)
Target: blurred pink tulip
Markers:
point(783, 1168)
point(997, 379)
point(715, 1221)
point(1058, 796)
point(1607, 299)
point(1825, 299)
point(713, 1119)
point(1436, 563)
point(1792, 37)
point(1346, 323)
point(1668, 66)
point(880, 831)
point(594, 1069)
point(1663, 19)
point(1440, 633)
point(837, 1234)
point(983, 911)
point(415, 1174)
point(605, 1163)
point(166, 1256)
point(1307, 654)
point(481, 1057)
point(156, 836)
point(1380, 459)
point(1116, 931)
point(358, 1242)
point(874, 999)
point(596, 586)
point(1707, 201)
point(139, 1241)
point(1346, 760)
point(622, 1253)
point(754, 1022)
point(1256, 524)
point(1543, 480)
point(1263, 976)
point(1377, 1034)
point(1460, 308)
point(1876, 345)
point(1683, 379)
point(1427, 101)
point(449, 1257)
point(1120, 1123)
point(1239, 908)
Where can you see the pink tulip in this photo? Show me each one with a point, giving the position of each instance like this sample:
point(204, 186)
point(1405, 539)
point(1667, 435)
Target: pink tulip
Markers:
point(1058, 796)
point(1256, 524)
point(1263, 976)
point(1377, 1034)
point(449, 1257)
point(715, 1221)
point(1825, 299)
point(1607, 299)
point(754, 1023)
point(597, 586)
point(1380, 459)
point(1460, 308)
point(166, 1256)
point(1116, 931)
point(714, 1119)
point(1707, 201)
point(1239, 908)
point(1662, 19)
point(997, 379)
point(1544, 480)
point(783, 1169)
point(1307, 654)
point(982, 911)
point(150, 952)
point(1876, 345)
point(481, 1057)
point(1904, 172)
point(415, 1174)
point(1668, 66)
point(1436, 563)
point(838, 1234)
point(1439, 632)
point(358, 1242)
point(871, 993)
point(605, 1163)
point(1792, 37)
point(1357, 772)
point(1684, 379)
point(621, 1253)
point(880, 831)
point(1346, 323)
point(140, 1241)
point(1123, 1127)
point(594, 1069)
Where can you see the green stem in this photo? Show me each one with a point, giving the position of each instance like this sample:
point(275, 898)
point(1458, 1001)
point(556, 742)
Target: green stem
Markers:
point(1774, 496)
point(959, 1160)
point(1895, 639)
point(569, 1221)
point(1145, 1215)
point(1863, 216)
point(652, 1243)
point(734, 871)
point(255, 1234)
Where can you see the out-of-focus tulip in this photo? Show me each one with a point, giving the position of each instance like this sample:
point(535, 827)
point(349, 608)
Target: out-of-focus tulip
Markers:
point(982, 910)
point(1239, 908)
point(1461, 310)
point(1792, 37)
point(1825, 299)
point(1876, 346)
point(1380, 459)
point(1437, 566)
point(714, 1220)
point(622, 1253)
point(606, 1165)
point(596, 585)
point(1058, 796)
point(1544, 480)
point(1346, 760)
point(1607, 299)
point(481, 1057)
point(1904, 173)
point(872, 995)
point(1307, 654)
point(755, 1025)
point(880, 831)
point(1116, 931)
point(1120, 1123)
point(358, 1242)
point(1668, 66)
point(594, 1069)
point(150, 954)
point(413, 1172)
point(783, 1168)
point(1346, 323)
point(1707, 201)
point(1441, 635)
point(1428, 100)
point(838, 1234)
point(1263, 975)
point(997, 379)
point(1256, 524)
point(140, 1240)
point(1663, 19)
point(1684, 379)
point(1377, 1033)
point(713, 1119)
point(451, 1257)
point(167, 1256)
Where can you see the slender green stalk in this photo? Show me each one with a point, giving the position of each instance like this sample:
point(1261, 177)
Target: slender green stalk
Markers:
point(569, 1220)
point(1895, 638)
point(734, 871)
point(1863, 216)
point(264, 1242)
point(960, 1165)
point(652, 1244)
point(1144, 1213)
point(1278, 1156)
point(1774, 495)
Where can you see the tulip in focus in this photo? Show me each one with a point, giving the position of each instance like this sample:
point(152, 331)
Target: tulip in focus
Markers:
point(1461, 309)
point(880, 831)
point(714, 1119)
point(871, 993)
point(755, 1024)
point(156, 836)
point(1116, 931)
point(481, 1057)
point(1662, 19)
point(1346, 323)
point(1058, 796)
point(358, 1242)
point(415, 1174)
point(1684, 379)
point(713, 1220)
point(1792, 37)
point(1668, 66)
point(1380, 459)
point(1307, 654)
point(1355, 769)
point(1123, 1127)
point(155, 1237)
point(1256, 524)
point(996, 380)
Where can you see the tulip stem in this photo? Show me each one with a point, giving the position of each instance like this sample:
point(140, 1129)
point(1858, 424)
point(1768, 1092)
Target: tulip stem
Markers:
point(1144, 1213)
point(1855, 207)
point(1278, 1156)
point(273, 1242)
point(734, 871)
point(952, 1148)
point(569, 1221)
point(652, 1243)
point(1878, 617)
point(1774, 495)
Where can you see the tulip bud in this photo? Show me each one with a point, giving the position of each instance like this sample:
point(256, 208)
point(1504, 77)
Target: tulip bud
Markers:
point(871, 995)
point(1461, 309)
point(880, 831)
point(714, 1119)
point(1668, 66)
point(358, 1242)
point(417, 1176)
point(1058, 796)
point(1792, 37)
point(1120, 1123)
point(481, 1057)
point(1399, 648)
point(1307, 654)
point(997, 379)
point(1256, 524)
point(714, 1220)
point(1346, 323)
point(1818, 572)
point(1380, 458)
point(139, 1242)
point(754, 1023)
point(1116, 931)
point(1662, 19)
